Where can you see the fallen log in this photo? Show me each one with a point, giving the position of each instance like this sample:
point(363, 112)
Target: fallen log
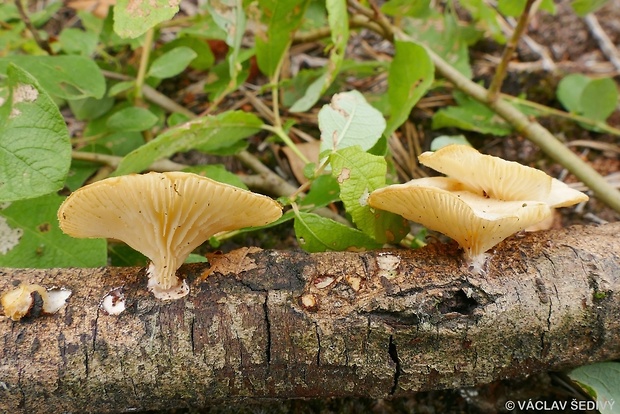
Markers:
point(286, 324)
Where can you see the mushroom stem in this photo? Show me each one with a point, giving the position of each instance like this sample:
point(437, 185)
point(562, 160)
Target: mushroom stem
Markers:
point(163, 281)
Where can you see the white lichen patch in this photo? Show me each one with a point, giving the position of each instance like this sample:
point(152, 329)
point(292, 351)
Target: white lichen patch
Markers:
point(388, 265)
point(114, 302)
point(9, 237)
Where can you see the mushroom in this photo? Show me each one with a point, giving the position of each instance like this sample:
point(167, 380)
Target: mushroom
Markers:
point(496, 178)
point(23, 300)
point(483, 200)
point(443, 204)
point(165, 216)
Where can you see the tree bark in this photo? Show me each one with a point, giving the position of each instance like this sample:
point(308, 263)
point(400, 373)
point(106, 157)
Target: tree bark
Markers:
point(285, 324)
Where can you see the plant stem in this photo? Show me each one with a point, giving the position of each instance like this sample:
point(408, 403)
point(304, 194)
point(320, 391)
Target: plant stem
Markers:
point(43, 44)
point(354, 22)
point(563, 114)
point(144, 63)
point(500, 73)
point(286, 139)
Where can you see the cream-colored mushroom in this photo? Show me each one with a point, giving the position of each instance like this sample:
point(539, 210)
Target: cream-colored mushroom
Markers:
point(165, 216)
point(19, 302)
point(496, 178)
point(442, 204)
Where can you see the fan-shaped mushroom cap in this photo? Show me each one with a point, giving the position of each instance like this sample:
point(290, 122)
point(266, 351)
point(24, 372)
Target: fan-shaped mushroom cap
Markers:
point(164, 216)
point(476, 223)
point(500, 179)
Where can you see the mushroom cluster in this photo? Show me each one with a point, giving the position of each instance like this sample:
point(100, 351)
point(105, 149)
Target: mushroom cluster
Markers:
point(482, 201)
point(165, 216)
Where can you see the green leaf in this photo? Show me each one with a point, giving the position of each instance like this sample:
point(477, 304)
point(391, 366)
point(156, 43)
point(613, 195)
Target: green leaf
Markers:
point(349, 120)
point(485, 17)
point(281, 18)
point(593, 98)
point(132, 119)
point(208, 133)
point(470, 115)
point(41, 243)
point(230, 17)
point(90, 108)
point(221, 83)
point(445, 140)
point(67, 77)
point(599, 99)
point(204, 56)
point(358, 174)
point(78, 41)
point(121, 87)
point(324, 190)
point(570, 89)
point(319, 234)
point(446, 37)
point(583, 7)
point(122, 255)
point(338, 19)
point(172, 63)
point(514, 8)
point(602, 382)
point(217, 172)
point(133, 18)
point(411, 75)
point(196, 258)
point(413, 8)
point(35, 151)
point(80, 171)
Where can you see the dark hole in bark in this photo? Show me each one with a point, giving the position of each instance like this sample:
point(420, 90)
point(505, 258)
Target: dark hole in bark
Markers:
point(458, 303)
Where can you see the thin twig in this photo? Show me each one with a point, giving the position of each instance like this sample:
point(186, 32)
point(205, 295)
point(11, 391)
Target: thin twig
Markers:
point(356, 21)
point(261, 182)
point(114, 161)
point(546, 110)
point(283, 188)
point(546, 61)
point(379, 18)
point(153, 95)
point(511, 46)
point(144, 63)
point(43, 44)
point(604, 43)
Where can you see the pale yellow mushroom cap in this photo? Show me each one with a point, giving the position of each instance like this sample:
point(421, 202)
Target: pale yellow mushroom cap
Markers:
point(476, 223)
point(165, 216)
point(500, 179)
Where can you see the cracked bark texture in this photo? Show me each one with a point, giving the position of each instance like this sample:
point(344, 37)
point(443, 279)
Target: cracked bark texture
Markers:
point(285, 324)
